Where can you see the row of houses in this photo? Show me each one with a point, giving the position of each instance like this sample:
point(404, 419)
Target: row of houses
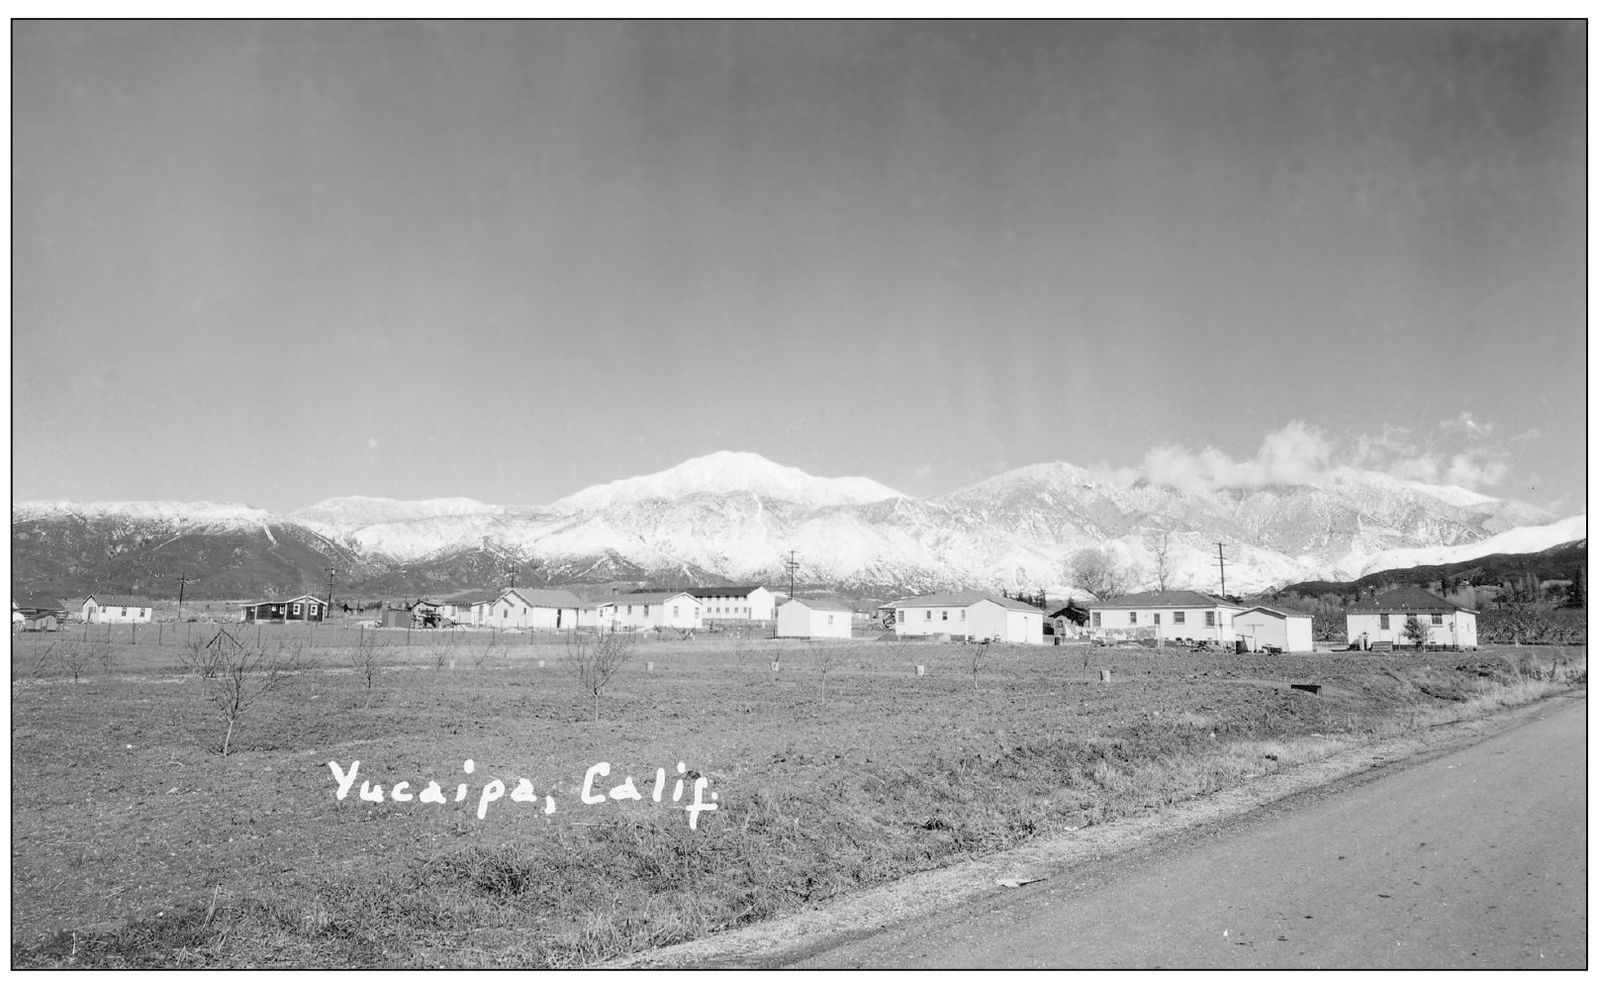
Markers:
point(1185, 616)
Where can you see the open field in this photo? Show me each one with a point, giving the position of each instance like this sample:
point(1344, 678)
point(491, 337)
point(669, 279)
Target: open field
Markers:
point(135, 843)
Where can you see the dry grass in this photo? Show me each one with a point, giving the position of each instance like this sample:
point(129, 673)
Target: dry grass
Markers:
point(124, 815)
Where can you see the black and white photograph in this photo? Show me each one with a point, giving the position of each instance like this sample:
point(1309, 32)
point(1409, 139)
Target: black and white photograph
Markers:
point(799, 494)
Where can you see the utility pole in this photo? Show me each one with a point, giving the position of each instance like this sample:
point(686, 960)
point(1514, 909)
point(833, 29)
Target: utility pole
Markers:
point(183, 580)
point(792, 565)
point(511, 571)
point(1220, 550)
point(329, 604)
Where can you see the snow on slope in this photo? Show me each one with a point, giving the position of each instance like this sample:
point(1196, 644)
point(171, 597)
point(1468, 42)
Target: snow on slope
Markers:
point(175, 512)
point(1515, 541)
point(730, 472)
point(342, 516)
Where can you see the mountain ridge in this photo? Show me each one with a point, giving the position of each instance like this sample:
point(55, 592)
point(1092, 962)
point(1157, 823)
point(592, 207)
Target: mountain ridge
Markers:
point(736, 516)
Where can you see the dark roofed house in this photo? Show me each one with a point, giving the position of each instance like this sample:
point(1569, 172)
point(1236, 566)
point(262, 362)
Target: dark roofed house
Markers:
point(1384, 619)
point(303, 608)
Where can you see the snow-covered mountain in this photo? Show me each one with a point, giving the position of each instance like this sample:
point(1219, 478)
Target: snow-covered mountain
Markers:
point(738, 515)
point(726, 473)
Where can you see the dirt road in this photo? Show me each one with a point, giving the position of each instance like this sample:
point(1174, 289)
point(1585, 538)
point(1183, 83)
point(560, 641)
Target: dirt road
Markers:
point(1472, 859)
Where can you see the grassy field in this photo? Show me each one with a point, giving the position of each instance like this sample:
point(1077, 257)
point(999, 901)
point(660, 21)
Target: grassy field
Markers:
point(137, 844)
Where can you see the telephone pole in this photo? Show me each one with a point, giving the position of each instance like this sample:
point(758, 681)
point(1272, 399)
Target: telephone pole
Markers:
point(329, 604)
point(1220, 550)
point(792, 565)
point(511, 572)
point(183, 580)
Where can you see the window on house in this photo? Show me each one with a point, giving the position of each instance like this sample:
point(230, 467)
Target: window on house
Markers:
point(313, 609)
point(1156, 619)
point(674, 612)
point(1437, 619)
point(646, 609)
point(1384, 623)
point(829, 619)
point(296, 609)
point(929, 614)
point(1132, 618)
point(962, 614)
point(1180, 616)
point(1209, 618)
point(945, 614)
point(1096, 622)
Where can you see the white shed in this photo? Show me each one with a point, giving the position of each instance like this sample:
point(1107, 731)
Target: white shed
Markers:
point(1262, 626)
point(1006, 621)
point(815, 618)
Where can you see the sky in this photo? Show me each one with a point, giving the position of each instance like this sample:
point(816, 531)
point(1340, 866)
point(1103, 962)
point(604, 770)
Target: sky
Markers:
point(273, 263)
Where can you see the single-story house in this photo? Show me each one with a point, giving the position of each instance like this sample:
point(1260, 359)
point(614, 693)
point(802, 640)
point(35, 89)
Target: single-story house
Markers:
point(1262, 627)
point(970, 616)
point(117, 609)
point(815, 618)
point(1174, 615)
point(1384, 618)
point(735, 602)
point(305, 608)
point(523, 608)
point(641, 611)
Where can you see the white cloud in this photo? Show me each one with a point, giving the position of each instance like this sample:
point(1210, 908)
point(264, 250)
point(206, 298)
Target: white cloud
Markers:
point(1295, 454)
point(1302, 454)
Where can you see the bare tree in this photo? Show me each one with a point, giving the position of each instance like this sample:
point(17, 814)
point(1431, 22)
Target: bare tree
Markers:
point(979, 662)
point(369, 660)
point(77, 657)
point(234, 676)
point(1162, 561)
point(593, 660)
point(825, 657)
point(1097, 572)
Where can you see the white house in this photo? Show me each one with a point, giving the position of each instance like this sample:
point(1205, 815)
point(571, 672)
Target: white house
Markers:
point(818, 618)
point(1283, 630)
point(735, 602)
point(1384, 618)
point(642, 611)
point(528, 609)
point(117, 609)
point(970, 616)
point(1174, 615)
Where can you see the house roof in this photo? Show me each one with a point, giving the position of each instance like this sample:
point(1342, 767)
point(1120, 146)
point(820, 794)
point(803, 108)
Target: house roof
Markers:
point(1272, 611)
point(35, 603)
point(1405, 599)
point(481, 596)
point(118, 600)
point(966, 598)
point(645, 598)
point(831, 605)
point(1176, 599)
point(551, 598)
point(282, 602)
point(700, 592)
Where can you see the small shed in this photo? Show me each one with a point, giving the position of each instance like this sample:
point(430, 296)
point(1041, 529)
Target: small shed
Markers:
point(815, 618)
point(1264, 627)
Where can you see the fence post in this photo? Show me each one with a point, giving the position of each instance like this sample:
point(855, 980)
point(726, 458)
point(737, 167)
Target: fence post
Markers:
point(135, 633)
point(159, 629)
